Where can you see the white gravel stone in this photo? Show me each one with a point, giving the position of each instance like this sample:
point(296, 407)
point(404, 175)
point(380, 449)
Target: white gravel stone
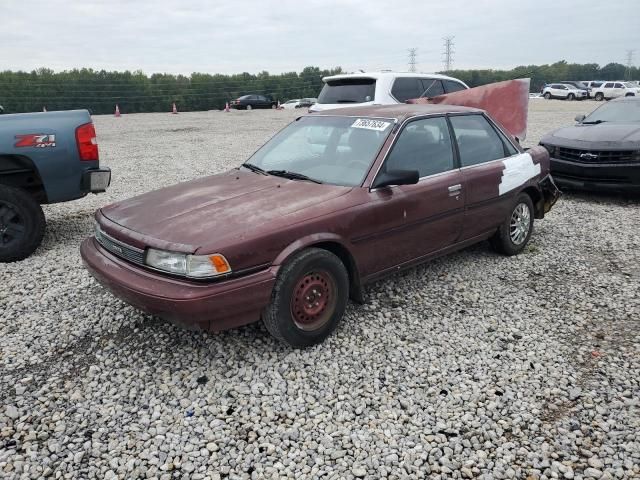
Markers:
point(472, 366)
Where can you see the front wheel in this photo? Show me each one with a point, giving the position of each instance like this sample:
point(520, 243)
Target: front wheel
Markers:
point(308, 299)
point(599, 96)
point(22, 224)
point(571, 97)
point(515, 232)
point(547, 96)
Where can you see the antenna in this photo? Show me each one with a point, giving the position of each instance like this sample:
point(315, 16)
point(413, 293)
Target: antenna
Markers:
point(448, 53)
point(412, 59)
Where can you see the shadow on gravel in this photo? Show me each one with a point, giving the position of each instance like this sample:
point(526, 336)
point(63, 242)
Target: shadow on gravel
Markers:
point(630, 200)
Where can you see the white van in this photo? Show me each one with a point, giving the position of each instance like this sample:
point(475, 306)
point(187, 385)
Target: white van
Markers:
point(382, 88)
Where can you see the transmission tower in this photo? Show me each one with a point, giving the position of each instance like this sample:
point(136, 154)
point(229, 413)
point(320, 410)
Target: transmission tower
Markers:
point(448, 53)
point(629, 64)
point(412, 59)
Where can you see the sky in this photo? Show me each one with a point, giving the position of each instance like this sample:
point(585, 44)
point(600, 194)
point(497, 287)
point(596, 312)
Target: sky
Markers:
point(251, 35)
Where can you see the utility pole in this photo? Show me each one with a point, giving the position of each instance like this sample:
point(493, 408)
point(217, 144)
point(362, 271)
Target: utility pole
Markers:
point(448, 53)
point(629, 64)
point(412, 59)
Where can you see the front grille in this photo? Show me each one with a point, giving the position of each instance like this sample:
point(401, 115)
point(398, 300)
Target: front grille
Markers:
point(597, 156)
point(132, 254)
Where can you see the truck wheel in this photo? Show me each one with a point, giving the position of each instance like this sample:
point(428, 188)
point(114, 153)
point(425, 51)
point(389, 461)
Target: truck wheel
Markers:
point(515, 232)
point(308, 299)
point(599, 96)
point(22, 224)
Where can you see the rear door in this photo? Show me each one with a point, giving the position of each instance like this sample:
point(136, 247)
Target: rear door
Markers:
point(407, 222)
point(405, 88)
point(618, 90)
point(481, 149)
point(432, 87)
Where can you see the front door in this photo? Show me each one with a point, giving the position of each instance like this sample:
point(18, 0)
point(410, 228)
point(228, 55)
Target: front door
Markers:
point(406, 222)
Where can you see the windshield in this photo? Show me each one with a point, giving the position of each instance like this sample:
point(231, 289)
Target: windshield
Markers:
point(348, 90)
point(620, 112)
point(336, 150)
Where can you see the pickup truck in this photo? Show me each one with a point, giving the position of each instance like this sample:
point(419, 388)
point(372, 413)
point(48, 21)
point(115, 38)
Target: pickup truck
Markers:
point(47, 157)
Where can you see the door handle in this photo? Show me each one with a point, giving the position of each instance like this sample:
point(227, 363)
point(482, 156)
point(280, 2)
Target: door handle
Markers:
point(455, 188)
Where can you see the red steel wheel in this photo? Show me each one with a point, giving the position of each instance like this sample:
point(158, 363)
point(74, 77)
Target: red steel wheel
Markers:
point(314, 300)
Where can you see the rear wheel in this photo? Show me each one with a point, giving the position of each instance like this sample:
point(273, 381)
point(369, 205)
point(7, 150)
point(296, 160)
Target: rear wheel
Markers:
point(515, 232)
point(571, 97)
point(22, 224)
point(599, 96)
point(309, 298)
point(249, 107)
point(547, 96)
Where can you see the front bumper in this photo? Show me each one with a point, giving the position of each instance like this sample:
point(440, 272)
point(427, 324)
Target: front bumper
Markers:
point(96, 180)
point(209, 306)
point(622, 177)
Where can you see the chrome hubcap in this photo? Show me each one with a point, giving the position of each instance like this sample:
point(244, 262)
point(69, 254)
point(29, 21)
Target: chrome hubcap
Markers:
point(520, 223)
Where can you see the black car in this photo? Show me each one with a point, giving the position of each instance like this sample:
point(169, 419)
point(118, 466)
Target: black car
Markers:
point(600, 152)
point(249, 102)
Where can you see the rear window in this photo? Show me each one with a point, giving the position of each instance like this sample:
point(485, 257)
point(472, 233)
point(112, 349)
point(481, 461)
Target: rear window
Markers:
point(348, 90)
point(451, 86)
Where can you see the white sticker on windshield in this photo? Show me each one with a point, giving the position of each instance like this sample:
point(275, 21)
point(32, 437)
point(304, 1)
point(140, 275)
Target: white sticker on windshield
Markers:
point(369, 124)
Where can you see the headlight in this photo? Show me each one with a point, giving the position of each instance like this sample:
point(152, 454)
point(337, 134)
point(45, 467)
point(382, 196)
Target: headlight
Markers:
point(194, 266)
point(550, 148)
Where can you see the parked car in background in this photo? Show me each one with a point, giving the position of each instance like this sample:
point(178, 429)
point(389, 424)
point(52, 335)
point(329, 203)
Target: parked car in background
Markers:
point(564, 92)
point(609, 90)
point(395, 186)
point(382, 88)
point(249, 102)
point(600, 152)
point(291, 104)
point(578, 85)
point(307, 102)
point(44, 158)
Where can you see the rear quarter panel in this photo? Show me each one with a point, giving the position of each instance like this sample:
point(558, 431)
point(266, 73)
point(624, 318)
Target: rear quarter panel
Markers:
point(59, 166)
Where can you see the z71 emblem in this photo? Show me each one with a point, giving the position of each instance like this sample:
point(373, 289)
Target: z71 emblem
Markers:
point(38, 140)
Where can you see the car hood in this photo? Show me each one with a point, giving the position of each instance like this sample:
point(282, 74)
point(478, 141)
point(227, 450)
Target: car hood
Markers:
point(234, 204)
point(602, 135)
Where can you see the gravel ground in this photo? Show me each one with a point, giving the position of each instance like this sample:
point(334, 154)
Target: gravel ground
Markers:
point(473, 366)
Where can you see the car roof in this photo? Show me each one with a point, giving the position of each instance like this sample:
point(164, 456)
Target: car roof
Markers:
point(379, 75)
point(398, 112)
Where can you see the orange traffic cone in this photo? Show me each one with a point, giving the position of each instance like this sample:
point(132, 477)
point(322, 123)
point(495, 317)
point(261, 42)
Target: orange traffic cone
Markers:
point(226, 107)
point(174, 109)
point(117, 113)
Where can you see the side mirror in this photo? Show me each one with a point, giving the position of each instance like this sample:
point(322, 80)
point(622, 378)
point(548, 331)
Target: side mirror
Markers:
point(580, 118)
point(397, 177)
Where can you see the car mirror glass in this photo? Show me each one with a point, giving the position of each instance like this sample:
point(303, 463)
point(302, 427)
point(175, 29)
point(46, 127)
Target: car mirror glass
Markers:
point(580, 118)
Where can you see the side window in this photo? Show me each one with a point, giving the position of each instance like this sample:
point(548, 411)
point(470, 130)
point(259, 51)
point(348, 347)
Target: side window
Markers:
point(451, 86)
point(431, 87)
point(596, 84)
point(618, 85)
point(423, 145)
point(405, 88)
point(608, 85)
point(478, 142)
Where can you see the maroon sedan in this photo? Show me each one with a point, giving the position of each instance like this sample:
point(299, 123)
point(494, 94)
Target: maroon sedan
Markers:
point(330, 203)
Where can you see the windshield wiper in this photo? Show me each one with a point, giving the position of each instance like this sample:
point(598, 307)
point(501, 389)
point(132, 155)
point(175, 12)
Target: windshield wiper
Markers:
point(346, 101)
point(291, 175)
point(254, 168)
point(595, 122)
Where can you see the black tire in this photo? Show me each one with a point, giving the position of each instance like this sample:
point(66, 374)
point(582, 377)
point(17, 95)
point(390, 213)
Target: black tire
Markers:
point(571, 97)
point(599, 97)
point(290, 316)
point(503, 240)
point(630, 95)
point(22, 224)
point(249, 107)
point(547, 96)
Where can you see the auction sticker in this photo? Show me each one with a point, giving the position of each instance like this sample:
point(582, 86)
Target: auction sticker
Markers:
point(370, 124)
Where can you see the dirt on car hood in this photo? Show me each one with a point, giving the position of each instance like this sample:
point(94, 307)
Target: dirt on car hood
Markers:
point(235, 203)
point(601, 135)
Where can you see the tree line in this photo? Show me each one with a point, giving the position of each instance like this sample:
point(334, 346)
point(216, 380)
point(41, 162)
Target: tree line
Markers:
point(100, 91)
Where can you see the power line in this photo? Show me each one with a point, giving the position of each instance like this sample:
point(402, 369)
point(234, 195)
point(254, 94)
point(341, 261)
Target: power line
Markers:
point(412, 59)
point(448, 53)
point(629, 64)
